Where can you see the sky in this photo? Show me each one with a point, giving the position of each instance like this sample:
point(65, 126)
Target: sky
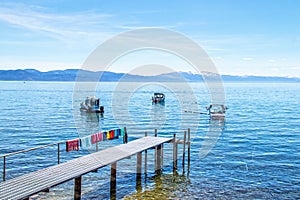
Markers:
point(242, 37)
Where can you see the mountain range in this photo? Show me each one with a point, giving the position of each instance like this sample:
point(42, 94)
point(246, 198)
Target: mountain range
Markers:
point(84, 75)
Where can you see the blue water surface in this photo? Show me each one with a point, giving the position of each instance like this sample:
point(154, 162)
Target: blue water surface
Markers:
point(255, 152)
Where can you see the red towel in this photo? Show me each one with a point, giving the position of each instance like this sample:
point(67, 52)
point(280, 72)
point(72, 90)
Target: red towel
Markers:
point(111, 134)
point(72, 145)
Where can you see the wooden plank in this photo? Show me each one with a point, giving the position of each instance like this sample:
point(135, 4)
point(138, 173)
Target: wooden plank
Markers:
point(34, 182)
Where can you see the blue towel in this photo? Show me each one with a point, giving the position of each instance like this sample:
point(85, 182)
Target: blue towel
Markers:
point(86, 141)
point(122, 132)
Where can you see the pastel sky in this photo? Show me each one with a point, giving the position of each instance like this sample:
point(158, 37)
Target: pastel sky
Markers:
point(242, 37)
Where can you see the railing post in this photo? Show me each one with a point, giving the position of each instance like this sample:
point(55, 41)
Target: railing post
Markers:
point(4, 168)
point(125, 137)
point(183, 152)
point(145, 168)
point(155, 151)
point(58, 153)
point(189, 145)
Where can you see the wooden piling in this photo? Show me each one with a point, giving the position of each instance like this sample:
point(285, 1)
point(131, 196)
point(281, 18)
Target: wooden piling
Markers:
point(189, 145)
point(113, 180)
point(145, 167)
point(155, 151)
point(174, 153)
point(158, 159)
point(139, 163)
point(183, 151)
point(77, 188)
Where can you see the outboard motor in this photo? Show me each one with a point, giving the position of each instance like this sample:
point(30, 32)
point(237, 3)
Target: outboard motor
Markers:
point(101, 109)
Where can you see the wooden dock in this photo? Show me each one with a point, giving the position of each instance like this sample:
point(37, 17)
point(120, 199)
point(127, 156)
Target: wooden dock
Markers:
point(32, 183)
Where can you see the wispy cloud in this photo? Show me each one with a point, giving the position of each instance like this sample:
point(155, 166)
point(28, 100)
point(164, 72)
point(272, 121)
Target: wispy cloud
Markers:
point(247, 58)
point(61, 26)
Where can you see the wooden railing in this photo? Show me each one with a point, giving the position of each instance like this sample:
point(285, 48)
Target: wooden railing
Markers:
point(5, 156)
point(27, 150)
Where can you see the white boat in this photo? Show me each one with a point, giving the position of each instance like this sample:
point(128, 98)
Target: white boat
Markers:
point(91, 105)
point(216, 111)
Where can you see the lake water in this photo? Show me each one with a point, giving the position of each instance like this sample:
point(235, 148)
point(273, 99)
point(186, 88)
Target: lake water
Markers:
point(253, 154)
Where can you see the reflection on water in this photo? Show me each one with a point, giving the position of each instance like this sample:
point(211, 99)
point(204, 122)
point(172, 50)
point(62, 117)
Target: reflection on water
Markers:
point(216, 126)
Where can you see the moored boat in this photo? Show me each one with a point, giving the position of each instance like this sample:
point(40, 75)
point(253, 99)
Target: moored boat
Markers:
point(91, 105)
point(158, 98)
point(216, 111)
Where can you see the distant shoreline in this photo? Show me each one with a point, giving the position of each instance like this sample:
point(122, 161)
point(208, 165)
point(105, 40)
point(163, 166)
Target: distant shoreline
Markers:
point(71, 75)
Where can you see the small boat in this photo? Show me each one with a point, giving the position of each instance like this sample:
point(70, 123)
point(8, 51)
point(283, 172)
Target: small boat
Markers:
point(158, 98)
point(216, 111)
point(91, 105)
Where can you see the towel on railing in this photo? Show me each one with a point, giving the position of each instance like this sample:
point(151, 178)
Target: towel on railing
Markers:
point(111, 134)
point(108, 135)
point(99, 136)
point(94, 138)
point(104, 134)
point(117, 133)
point(86, 141)
point(122, 132)
point(72, 145)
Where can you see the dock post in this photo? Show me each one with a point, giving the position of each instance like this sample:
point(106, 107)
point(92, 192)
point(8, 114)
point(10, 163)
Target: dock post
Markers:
point(139, 172)
point(183, 151)
point(189, 147)
point(158, 159)
point(145, 168)
point(77, 188)
point(58, 153)
point(113, 180)
point(139, 164)
point(155, 151)
point(97, 146)
point(174, 153)
point(4, 168)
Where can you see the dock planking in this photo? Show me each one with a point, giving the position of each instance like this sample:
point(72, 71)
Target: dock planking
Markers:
point(32, 183)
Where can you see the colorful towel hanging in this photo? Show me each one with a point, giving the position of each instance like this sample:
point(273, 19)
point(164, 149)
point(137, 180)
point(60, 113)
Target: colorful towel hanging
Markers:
point(122, 132)
point(111, 134)
point(99, 137)
point(86, 141)
point(117, 133)
point(94, 138)
point(104, 134)
point(72, 145)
